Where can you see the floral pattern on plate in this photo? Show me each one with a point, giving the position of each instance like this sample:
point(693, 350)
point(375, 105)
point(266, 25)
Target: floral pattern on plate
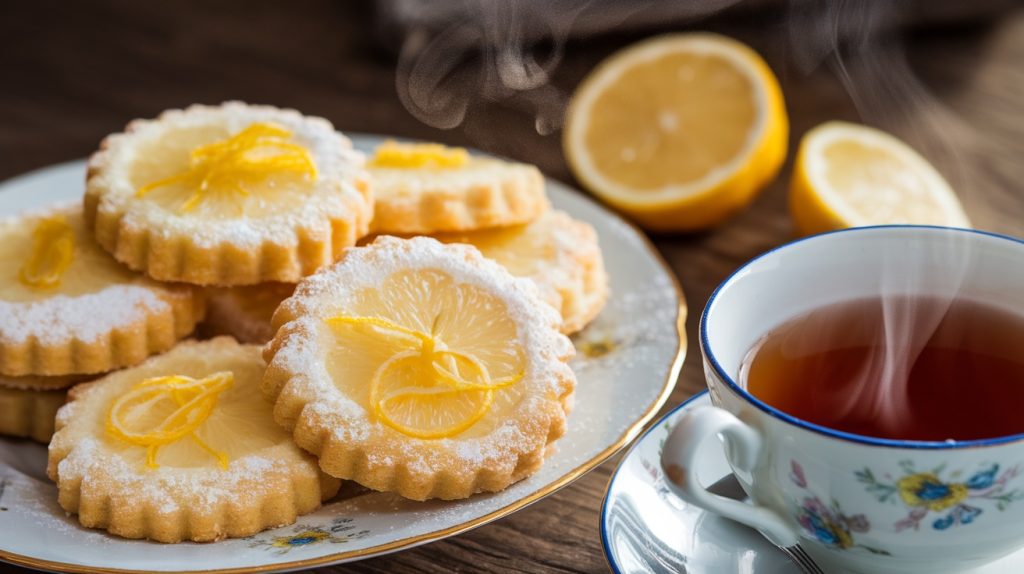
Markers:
point(338, 531)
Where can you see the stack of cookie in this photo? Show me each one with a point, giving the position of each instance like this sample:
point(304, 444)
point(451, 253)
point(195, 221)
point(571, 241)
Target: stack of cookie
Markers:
point(69, 312)
point(415, 365)
point(497, 206)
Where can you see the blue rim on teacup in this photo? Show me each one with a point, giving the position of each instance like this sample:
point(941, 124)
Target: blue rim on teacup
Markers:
point(857, 438)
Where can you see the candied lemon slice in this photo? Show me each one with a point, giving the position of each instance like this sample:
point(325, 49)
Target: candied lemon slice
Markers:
point(849, 175)
point(395, 154)
point(192, 401)
point(53, 246)
point(192, 419)
point(427, 390)
point(239, 163)
point(679, 131)
point(439, 356)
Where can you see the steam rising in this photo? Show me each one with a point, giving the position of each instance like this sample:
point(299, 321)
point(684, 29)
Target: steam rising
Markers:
point(493, 50)
point(870, 61)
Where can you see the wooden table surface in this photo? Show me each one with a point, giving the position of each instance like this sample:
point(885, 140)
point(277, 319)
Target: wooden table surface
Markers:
point(73, 72)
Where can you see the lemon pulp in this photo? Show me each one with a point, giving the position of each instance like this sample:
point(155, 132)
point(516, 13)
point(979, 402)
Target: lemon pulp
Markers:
point(661, 123)
point(879, 185)
point(400, 155)
point(848, 175)
point(429, 357)
point(221, 173)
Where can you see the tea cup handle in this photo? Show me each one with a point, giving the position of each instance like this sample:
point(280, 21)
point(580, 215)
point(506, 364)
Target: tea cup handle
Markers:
point(745, 444)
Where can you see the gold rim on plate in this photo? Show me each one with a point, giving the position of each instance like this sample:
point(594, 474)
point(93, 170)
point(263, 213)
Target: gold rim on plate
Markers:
point(381, 549)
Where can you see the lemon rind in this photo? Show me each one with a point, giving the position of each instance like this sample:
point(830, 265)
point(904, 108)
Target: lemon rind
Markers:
point(168, 249)
point(28, 413)
point(204, 504)
point(352, 447)
point(426, 200)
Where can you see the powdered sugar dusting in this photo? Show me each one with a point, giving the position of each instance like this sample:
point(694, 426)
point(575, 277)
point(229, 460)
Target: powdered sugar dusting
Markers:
point(85, 318)
point(170, 489)
point(337, 198)
point(329, 292)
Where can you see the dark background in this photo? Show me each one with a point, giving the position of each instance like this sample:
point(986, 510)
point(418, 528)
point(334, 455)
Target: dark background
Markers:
point(72, 72)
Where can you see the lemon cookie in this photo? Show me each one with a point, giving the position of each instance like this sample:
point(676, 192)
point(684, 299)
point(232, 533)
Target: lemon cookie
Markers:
point(228, 195)
point(182, 447)
point(67, 307)
point(426, 188)
point(244, 312)
point(420, 368)
point(29, 413)
point(560, 254)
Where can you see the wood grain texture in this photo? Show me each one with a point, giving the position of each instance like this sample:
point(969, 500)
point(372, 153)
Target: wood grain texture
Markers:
point(72, 72)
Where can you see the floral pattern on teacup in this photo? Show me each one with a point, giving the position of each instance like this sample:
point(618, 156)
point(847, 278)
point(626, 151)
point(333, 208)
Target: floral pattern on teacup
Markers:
point(957, 500)
point(828, 523)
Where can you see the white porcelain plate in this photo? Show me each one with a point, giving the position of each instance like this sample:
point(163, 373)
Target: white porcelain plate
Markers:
point(627, 365)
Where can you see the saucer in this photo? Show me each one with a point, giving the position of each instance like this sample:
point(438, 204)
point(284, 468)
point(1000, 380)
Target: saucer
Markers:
point(645, 528)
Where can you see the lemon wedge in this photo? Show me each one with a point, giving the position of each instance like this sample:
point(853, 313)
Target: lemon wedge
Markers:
point(679, 131)
point(849, 175)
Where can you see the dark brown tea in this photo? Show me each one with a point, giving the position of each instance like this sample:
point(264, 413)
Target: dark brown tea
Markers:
point(908, 368)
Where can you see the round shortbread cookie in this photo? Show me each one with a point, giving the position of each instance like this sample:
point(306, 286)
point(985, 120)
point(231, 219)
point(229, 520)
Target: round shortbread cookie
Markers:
point(420, 368)
point(182, 447)
point(234, 194)
point(470, 193)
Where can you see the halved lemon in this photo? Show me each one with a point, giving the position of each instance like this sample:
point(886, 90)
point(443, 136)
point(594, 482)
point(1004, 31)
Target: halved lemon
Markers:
point(679, 131)
point(850, 175)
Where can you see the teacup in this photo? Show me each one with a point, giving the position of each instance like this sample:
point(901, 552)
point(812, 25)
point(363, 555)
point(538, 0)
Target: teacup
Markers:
point(855, 503)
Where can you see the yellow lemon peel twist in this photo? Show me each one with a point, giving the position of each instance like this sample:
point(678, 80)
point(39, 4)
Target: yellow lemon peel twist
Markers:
point(53, 246)
point(444, 367)
point(251, 155)
point(195, 400)
point(402, 155)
